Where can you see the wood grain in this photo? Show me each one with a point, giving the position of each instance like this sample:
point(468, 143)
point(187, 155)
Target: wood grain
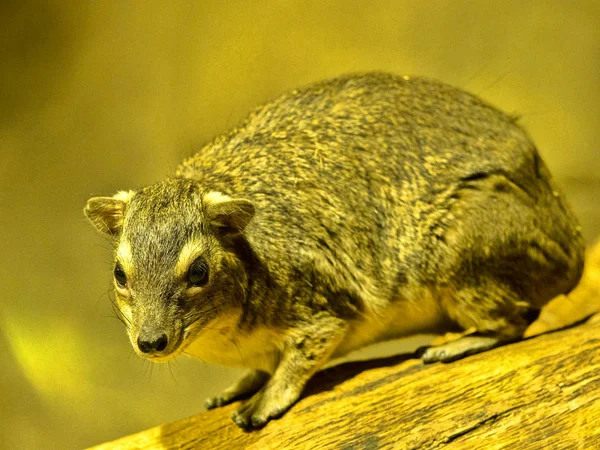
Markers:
point(541, 393)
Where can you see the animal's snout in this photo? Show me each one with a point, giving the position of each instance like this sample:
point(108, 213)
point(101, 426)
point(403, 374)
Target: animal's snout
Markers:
point(152, 342)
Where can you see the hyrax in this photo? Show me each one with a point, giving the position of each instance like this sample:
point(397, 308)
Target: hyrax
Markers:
point(355, 210)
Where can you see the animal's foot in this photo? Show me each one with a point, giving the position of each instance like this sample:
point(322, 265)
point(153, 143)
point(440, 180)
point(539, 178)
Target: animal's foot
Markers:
point(264, 406)
point(249, 384)
point(465, 346)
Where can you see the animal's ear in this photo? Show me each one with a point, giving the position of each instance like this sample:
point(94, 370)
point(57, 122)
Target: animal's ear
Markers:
point(228, 215)
point(107, 213)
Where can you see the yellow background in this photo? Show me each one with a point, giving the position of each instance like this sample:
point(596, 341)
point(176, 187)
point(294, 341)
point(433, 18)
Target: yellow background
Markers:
point(97, 96)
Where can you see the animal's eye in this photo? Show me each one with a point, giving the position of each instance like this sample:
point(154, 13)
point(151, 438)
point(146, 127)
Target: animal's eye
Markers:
point(120, 276)
point(198, 272)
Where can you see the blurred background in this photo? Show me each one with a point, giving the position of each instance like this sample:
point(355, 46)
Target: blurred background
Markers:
point(101, 96)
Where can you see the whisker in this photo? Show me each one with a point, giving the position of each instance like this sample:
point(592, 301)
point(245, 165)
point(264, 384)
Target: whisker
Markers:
point(113, 316)
point(122, 317)
point(171, 372)
point(147, 369)
point(106, 247)
point(199, 316)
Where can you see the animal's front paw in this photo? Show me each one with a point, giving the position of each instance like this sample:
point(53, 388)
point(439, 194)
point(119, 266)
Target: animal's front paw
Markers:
point(264, 406)
point(218, 401)
point(250, 383)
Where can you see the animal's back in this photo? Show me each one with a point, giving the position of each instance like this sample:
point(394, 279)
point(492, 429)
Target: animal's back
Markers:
point(366, 175)
point(334, 135)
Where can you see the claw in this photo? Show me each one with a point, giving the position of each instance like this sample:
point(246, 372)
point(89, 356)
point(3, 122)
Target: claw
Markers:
point(239, 420)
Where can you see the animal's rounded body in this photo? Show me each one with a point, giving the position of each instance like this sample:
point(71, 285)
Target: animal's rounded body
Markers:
point(351, 211)
point(392, 194)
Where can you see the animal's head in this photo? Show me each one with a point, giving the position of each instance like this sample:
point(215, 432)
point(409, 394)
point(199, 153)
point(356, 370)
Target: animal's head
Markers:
point(175, 266)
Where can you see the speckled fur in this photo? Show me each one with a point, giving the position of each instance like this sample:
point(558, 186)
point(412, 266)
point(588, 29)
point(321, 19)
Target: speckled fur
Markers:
point(381, 206)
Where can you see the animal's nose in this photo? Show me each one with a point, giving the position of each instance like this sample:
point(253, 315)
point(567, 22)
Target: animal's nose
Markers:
point(152, 344)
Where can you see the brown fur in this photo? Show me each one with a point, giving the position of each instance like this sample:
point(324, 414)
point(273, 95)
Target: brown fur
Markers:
point(347, 212)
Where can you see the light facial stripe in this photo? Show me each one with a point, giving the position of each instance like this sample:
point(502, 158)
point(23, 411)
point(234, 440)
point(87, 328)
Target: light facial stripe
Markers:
point(215, 197)
point(188, 254)
point(123, 196)
point(125, 258)
point(126, 311)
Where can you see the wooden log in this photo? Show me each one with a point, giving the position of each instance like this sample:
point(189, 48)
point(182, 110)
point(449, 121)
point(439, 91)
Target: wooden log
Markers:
point(541, 393)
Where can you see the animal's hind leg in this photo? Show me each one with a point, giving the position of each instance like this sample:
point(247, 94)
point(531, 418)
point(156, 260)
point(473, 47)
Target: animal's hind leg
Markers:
point(465, 346)
point(505, 251)
point(493, 310)
point(479, 341)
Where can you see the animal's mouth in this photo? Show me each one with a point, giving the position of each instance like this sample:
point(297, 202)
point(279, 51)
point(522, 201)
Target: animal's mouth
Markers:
point(171, 351)
point(185, 338)
point(179, 341)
